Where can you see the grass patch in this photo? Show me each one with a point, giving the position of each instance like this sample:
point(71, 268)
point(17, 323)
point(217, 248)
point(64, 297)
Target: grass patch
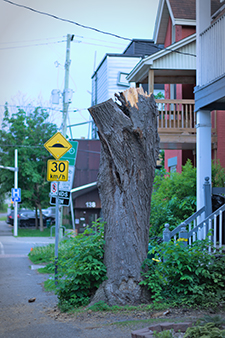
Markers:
point(42, 254)
point(3, 218)
point(101, 306)
point(34, 232)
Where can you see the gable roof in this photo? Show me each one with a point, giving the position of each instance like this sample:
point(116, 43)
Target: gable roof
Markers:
point(181, 12)
point(183, 9)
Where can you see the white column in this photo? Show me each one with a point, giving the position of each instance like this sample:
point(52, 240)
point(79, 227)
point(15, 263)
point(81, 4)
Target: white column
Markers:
point(203, 138)
point(203, 152)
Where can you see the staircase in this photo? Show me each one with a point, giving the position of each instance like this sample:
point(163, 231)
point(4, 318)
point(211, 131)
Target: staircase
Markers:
point(197, 226)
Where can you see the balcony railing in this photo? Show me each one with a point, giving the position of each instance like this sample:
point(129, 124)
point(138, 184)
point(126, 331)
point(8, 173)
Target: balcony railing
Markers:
point(176, 114)
point(212, 52)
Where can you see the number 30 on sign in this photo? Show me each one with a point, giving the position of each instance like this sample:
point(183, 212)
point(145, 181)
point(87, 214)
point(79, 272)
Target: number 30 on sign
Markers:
point(57, 170)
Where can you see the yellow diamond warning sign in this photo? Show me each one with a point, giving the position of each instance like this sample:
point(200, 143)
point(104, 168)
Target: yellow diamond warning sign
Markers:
point(58, 145)
point(57, 170)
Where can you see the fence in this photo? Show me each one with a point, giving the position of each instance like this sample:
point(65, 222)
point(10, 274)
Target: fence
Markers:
point(176, 114)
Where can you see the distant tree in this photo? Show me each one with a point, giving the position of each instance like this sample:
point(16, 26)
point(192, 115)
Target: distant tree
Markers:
point(26, 132)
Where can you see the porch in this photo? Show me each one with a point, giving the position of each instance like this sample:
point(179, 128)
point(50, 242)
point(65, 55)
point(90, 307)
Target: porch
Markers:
point(177, 124)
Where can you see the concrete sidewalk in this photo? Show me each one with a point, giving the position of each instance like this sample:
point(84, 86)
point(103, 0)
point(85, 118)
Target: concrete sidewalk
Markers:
point(18, 317)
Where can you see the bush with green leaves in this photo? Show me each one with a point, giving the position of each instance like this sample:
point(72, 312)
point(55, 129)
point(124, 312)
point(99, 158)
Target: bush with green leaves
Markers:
point(185, 274)
point(81, 268)
point(209, 330)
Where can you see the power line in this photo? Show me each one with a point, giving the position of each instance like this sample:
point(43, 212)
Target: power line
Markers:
point(24, 41)
point(33, 45)
point(91, 28)
point(67, 20)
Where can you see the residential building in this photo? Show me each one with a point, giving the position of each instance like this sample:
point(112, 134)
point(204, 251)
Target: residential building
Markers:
point(86, 201)
point(176, 66)
point(110, 76)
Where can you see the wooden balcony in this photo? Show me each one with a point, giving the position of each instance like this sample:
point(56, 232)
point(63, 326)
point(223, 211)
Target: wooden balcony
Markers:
point(176, 124)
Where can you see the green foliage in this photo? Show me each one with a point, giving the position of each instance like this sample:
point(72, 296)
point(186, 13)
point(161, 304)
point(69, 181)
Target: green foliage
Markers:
point(188, 275)
point(217, 320)
point(42, 254)
point(163, 334)
point(100, 306)
point(34, 232)
point(173, 198)
point(209, 330)
point(159, 95)
point(218, 174)
point(81, 268)
point(26, 132)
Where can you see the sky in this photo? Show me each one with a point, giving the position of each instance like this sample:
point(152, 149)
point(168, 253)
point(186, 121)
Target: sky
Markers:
point(33, 49)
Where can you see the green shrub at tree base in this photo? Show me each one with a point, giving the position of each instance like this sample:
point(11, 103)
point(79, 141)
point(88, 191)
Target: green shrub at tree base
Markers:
point(185, 275)
point(80, 268)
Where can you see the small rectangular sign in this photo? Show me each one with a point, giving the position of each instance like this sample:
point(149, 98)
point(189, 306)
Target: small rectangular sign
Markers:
point(62, 201)
point(54, 188)
point(57, 170)
point(16, 195)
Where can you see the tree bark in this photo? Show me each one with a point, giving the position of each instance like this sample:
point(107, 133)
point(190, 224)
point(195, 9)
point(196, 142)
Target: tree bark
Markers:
point(129, 151)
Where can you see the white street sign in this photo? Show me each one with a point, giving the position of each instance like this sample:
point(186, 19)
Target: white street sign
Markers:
point(67, 186)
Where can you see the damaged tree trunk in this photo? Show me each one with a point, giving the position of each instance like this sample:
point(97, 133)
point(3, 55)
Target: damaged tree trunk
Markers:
point(130, 146)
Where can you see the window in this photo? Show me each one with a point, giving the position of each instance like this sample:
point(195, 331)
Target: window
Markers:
point(122, 81)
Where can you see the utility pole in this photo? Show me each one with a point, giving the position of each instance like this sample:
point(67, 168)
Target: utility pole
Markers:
point(66, 87)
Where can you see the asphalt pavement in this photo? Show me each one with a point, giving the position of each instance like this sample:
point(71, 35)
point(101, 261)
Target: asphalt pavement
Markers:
point(20, 318)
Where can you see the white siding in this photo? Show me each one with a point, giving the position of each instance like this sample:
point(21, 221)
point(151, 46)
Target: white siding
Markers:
point(212, 54)
point(108, 75)
point(101, 84)
point(115, 66)
point(177, 60)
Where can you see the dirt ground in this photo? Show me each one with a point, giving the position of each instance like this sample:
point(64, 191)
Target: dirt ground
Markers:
point(121, 324)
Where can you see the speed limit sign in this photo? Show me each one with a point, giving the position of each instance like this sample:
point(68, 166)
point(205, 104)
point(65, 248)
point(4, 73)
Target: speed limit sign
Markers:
point(57, 170)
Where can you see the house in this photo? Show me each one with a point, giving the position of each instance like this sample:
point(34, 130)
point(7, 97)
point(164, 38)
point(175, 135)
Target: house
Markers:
point(86, 201)
point(175, 66)
point(110, 76)
point(210, 84)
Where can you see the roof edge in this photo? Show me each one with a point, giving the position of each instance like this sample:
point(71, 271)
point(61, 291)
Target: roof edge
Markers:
point(149, 59)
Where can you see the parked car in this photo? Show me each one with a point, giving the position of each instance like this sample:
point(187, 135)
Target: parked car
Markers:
point(10, 217)
point(26, 218)
point(49, 213)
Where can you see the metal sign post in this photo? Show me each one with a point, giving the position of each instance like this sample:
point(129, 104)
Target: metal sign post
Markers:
point(57, 171)
point(56, 233)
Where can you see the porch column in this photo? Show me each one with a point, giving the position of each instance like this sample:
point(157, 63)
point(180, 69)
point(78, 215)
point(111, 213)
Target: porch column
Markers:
point(150, 81)
point(203, 127)
point(203, 152)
